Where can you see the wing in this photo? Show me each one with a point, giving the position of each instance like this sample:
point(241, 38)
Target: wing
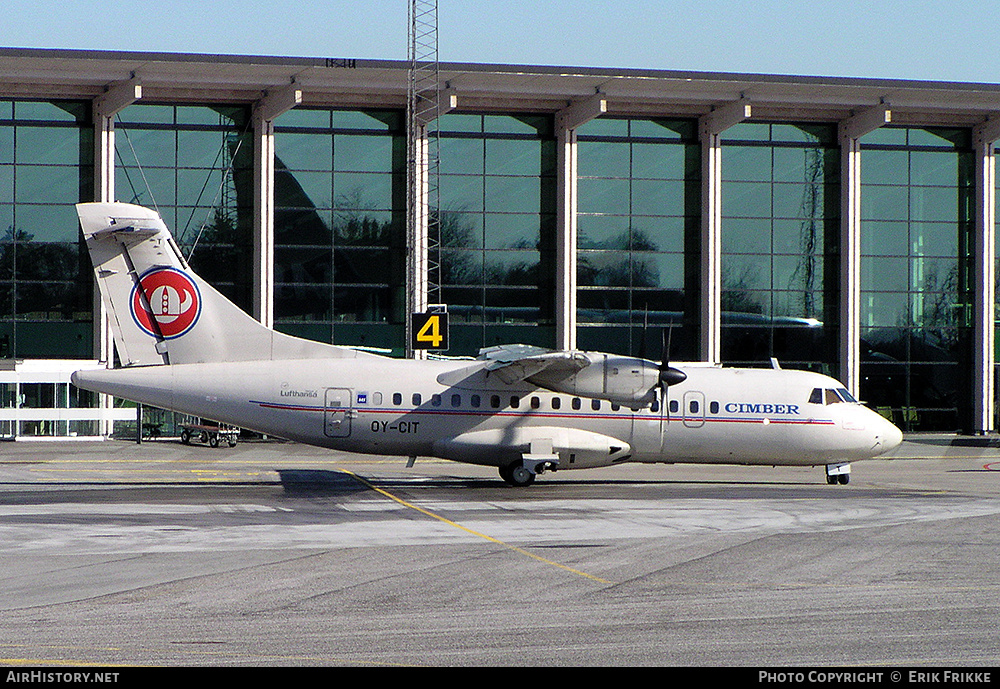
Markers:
point(514, 363)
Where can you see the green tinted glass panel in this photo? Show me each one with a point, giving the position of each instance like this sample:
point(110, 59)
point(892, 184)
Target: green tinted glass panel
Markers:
point(304, 117)
point(603, 159)
point(654, 197)
point(748, 131)
point(746, 163)
point(604, 126)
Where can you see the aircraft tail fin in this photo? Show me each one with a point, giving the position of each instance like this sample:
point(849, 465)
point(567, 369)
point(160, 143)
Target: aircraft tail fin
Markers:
point(161, 311)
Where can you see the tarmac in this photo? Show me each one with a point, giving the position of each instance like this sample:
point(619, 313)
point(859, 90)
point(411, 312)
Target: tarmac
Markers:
point(277, 554)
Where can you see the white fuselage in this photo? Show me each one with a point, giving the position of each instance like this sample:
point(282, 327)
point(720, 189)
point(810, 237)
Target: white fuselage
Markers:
point(400, 407)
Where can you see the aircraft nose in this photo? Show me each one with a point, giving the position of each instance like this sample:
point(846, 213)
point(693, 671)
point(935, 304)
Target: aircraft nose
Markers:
point(887, 437)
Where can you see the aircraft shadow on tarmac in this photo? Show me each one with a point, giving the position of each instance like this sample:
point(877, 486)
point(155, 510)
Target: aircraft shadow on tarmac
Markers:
point(325, 483)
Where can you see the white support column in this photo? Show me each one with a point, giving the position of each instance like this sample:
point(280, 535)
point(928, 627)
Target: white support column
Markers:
point(273, 104)
point(984, 292)
point(850, 132)
point(566, 123)
point(115, 98)
point(710, 128)
point(419, 239)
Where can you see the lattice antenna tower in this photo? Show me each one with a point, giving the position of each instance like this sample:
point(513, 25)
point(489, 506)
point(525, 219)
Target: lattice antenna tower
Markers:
point(423, 146)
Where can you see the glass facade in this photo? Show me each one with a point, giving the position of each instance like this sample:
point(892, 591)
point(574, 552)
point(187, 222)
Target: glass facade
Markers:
point(917, 191)
point(46, 166)
point(340, 249)
point(339, 226)
point(194, 165)
point(498, 229)
point(780, 245)
point(638, 235)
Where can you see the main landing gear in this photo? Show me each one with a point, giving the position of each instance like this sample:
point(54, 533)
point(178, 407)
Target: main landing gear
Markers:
point(516, 474)
point(536, 460)
point(838, 473)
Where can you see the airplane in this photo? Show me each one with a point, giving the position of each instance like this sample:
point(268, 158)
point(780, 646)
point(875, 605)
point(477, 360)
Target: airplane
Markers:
point(183, 346)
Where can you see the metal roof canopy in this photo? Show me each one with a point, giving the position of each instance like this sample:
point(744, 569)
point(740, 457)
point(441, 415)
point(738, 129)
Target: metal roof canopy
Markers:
point(206, 79)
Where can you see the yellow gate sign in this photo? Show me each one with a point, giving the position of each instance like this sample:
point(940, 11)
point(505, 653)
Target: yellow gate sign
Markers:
point(430, 330)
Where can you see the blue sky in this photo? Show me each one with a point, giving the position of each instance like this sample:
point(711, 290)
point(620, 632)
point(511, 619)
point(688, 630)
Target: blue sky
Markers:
point(957, 40)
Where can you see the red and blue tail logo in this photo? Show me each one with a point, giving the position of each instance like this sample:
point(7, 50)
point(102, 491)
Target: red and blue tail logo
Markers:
point(165, 303)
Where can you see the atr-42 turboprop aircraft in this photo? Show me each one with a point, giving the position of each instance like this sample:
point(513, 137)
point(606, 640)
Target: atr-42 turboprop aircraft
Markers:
point(183, 346)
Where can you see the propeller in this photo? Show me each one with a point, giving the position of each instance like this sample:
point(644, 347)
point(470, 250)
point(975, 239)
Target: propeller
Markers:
point(668, 376)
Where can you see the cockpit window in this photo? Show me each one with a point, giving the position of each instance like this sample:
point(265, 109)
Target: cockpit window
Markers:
point(838, 396)
point(846, 396)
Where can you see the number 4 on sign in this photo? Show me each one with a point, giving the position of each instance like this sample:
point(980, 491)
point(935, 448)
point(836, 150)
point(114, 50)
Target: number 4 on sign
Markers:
point(430, 330)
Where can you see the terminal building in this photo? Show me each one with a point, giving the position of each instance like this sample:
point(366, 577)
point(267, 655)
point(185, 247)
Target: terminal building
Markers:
point(841, 225)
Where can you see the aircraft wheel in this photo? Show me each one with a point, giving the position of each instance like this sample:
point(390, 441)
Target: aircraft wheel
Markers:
point(203, 437)
point(517, 475)
point(185, 437)
point(832, 480)
point(844, 479)
point(520, 476)
point(214, 441)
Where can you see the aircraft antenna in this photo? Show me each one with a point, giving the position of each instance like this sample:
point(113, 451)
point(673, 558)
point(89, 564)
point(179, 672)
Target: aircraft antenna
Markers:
point(423, 144)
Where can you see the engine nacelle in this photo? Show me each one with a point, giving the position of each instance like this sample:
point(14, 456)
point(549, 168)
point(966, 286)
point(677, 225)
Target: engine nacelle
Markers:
point(626, 380)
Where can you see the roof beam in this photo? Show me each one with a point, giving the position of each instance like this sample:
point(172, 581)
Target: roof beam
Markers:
point(277, 101)
point(866, 120)
point(579, 113)
point(447, 101)
point(725, 116)
point(118, 96)
point(987, 131)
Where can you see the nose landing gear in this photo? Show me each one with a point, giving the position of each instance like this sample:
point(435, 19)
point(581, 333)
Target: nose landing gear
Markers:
point(838, 473)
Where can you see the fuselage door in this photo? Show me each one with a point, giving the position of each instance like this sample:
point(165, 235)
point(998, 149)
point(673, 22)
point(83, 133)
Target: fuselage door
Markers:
point(694, 409)
point(337, 413)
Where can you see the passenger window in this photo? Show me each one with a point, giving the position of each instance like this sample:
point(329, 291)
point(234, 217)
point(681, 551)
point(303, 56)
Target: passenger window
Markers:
point(535, 403)
point(714, 407)
point(674, 406)
point(495, 401)
point(556, 403)
point(615, 406)
point(576, 404)
point(476, 401)
point(436, 400)
point(416, 399)
point(816, 397)
point(515, 401)
point(693, 406)
point(456, 400)
point(654, 407)
point(397, 398)
point(595, 405)
point(377, 399)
